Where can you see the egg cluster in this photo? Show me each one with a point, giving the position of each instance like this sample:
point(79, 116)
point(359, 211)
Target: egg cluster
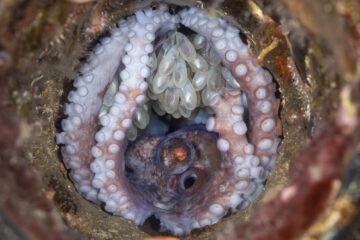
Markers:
point(186, 74)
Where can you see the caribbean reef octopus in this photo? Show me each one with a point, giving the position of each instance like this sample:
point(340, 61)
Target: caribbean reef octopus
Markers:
point(172, 117)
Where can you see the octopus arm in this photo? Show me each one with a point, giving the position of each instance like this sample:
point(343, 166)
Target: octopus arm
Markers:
point(256, 82)
point(79, 127)
point(109, 164)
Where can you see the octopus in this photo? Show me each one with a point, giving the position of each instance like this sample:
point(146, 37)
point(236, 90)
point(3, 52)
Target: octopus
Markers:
point(181, 65)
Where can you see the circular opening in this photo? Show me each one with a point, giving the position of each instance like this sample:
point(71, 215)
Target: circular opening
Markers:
point(295, 131)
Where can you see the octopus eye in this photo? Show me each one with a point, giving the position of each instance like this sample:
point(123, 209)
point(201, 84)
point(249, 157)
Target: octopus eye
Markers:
point(188, 181)
point(175, 154)
point(193, 181)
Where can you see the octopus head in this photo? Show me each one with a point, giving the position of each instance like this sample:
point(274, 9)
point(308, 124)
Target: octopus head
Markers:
point(174, 173)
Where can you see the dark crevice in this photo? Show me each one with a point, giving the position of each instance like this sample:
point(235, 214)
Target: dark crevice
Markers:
point(243, 37)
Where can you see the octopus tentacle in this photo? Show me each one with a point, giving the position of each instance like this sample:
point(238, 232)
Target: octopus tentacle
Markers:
point(109, 165)
point(85, 102)
point(248, 174)
point(257, 83)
